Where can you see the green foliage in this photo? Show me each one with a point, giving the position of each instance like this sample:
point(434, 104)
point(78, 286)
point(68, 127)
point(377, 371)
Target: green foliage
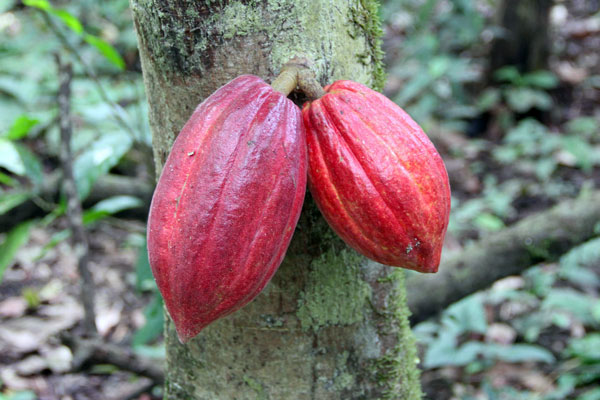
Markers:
point(75, 25)
point(20, 128)
point(487, 212)
point(100, 140)
point(432, 74)
point(520, 92)
point(19, 395)
point(154, 323)
point(444, 347)
point(103, 154)
point(110, 206)
point(16, 157)
point(575, 266)
point(546, 305)
point(144, 282)
point(14, 239)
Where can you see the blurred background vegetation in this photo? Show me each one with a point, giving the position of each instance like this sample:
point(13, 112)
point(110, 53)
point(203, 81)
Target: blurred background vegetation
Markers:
point(508, 91)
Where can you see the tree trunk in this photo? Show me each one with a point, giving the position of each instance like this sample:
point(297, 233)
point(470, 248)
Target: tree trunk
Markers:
point(330, 325)
point(524, 41)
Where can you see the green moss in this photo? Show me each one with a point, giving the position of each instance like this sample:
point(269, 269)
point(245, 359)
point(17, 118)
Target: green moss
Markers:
point(257, 387)
point(366, 19)
point(342, 379)
point(178, 388)
point(396, 371)
point(241, 20)
point(334, 294)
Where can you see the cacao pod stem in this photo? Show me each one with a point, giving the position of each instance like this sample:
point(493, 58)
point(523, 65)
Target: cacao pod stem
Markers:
point(297, 73)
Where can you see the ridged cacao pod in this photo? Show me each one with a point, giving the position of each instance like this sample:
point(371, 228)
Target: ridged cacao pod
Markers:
point(227, 202)
point(376, 177)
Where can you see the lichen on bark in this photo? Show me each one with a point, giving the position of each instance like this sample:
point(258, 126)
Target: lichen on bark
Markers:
point(332, 295)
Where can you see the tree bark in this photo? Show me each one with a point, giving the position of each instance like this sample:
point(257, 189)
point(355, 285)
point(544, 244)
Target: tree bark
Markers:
point(542, 237)
point(524, 41)
point(330, 325)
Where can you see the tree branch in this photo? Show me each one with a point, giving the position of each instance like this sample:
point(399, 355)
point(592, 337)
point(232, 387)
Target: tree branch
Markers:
point(541, 237)
point(90, 351)
point(106, 186)
point(74, 212)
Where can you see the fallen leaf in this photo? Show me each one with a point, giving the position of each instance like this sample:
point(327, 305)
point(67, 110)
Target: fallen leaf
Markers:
point(13, 307)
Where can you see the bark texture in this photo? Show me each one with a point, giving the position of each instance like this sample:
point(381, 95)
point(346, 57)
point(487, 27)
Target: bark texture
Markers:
point(541, 237)
point(524, 40)
point(330, 325)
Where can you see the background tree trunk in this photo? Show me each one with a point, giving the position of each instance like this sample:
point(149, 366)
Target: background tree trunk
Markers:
point(330, 325)
point(524, 40)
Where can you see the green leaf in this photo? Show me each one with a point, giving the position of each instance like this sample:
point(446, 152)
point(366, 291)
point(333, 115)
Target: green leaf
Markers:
point(16, 238)
point(581, 150)
point(522, 353)
point(592, 394)
point(41, 4)
point(441, 351)
point(110, 206)
point(11, 159)
point(7, 180)
point(508, 74)
point(545, 167)
point(583, 126)
point(577, 304)
point(32, 164)
point(413, 88)
point(144, 280)
point(539, 280)
point(438, 66)
point(68, 19)
point(4, 7)
point(154, 322)
point(116, 204)
point(10, 200)
point(20, 127)
point(488, 222)
point(523, 99)
point(541, 79)
point(586, 348)
point(20, 395)
point(19, 160)
point(468, 314)
point(488, 99)
point(98, 159)
point(106, 49)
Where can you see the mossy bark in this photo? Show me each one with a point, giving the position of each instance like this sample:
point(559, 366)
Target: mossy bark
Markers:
point(330, 325)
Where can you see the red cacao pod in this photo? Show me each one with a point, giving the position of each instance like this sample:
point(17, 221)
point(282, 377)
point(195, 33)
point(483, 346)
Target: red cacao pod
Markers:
point(376, 177)
point(227, 202)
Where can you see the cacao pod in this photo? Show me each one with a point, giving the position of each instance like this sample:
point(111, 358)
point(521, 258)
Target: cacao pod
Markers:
point(227, 202)
point(376, 177)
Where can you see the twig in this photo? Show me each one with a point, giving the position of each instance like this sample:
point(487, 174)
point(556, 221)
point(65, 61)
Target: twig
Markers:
point(90, 351)
point(44, 201)
point(117, 110)
point(74, 213)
